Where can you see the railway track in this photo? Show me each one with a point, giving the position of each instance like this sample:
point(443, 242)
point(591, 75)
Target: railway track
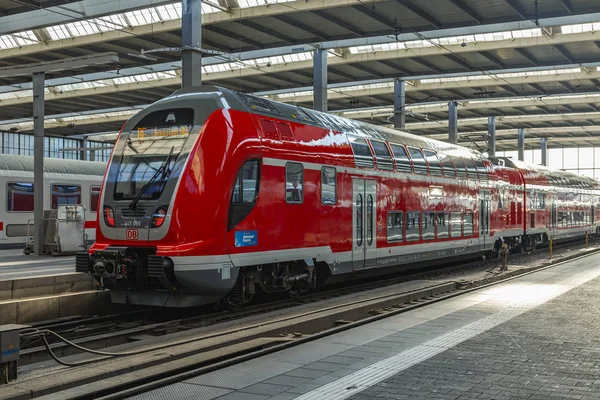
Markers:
point(97, 333)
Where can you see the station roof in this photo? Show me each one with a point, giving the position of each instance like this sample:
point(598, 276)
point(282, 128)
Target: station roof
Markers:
point(532, 68)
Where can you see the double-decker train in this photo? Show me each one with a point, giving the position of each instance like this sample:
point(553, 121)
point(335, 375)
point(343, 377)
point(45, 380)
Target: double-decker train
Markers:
point(214, 195)
point(65, 182)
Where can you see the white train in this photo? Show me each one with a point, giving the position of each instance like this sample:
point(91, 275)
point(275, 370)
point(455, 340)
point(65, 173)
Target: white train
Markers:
point(65, 182)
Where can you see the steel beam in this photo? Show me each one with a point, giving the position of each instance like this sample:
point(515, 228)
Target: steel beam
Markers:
point(492, 135)
point(521, 143)
point(320, 80)
point(399, 104)
point(191, 37)
point(38, 163)
point(453, 122)
point(544, 146)
point(66, 64)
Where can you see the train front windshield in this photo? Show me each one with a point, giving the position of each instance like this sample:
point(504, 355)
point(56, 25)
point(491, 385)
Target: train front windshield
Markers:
point(150, 152)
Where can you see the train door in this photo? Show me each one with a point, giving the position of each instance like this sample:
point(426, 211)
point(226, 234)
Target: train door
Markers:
point(484, 218)
point(364, 247)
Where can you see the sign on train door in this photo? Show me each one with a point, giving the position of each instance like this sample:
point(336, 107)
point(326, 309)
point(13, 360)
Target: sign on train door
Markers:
point(364, 240)
point(484, 218)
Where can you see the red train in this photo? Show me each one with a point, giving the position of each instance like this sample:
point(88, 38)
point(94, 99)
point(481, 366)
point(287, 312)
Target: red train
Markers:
point(213, 195)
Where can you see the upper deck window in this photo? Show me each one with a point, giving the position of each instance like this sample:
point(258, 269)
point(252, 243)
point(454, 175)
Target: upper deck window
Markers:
point(401, 157)
point(435, 167)
point(461, 168)
point(418, 161)
point(362, 152)
point(382, 155)
point(449, 169)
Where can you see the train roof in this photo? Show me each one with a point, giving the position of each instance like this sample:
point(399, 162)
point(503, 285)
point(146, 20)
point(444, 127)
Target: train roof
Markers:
point(291, 112)
point(52, 165)
point(555, 177)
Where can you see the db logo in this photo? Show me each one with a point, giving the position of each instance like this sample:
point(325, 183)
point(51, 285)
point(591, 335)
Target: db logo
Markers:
point(132, 234)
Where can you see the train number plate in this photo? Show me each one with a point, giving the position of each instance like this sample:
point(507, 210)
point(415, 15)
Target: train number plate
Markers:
point(132, 234)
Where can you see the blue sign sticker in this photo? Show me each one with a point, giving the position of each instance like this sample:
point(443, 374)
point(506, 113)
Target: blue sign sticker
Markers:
point(246, 238)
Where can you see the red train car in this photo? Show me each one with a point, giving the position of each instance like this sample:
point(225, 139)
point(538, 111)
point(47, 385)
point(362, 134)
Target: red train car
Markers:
point(213, 195)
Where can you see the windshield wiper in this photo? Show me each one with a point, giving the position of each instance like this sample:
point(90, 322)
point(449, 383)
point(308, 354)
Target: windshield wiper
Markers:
point(164, 169)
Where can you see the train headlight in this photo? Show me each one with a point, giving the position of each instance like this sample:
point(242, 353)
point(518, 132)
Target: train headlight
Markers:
point(109, 216)
point(159, 217)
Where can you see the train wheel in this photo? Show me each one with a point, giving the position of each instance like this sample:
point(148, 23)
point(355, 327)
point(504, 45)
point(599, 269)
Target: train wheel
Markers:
point(242, 293)
point(294, 292)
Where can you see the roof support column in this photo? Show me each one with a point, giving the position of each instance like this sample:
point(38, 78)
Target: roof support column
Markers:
point(191, 36)
point(521, 143)
point(320, 80)
point(38, 163)
point(492, 136)
point(453, 122)
point(83, 154)
point(399, 103)
point(544, 145)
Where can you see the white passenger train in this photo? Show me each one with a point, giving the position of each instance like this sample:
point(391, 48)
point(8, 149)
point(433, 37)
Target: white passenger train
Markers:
point(65, 182)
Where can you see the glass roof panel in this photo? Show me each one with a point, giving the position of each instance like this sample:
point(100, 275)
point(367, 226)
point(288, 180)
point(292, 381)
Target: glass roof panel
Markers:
point(24, 38)
point(484, 37)
point(142, 17)
point(58, 32)
point(256, 3)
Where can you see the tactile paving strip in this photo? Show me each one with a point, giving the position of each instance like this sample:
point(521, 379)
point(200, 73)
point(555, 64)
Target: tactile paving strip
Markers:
point(244, 374)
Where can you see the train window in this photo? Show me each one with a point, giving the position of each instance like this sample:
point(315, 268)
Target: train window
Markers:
point(245, 192)
point(470, 163)
point(401, 157)
point(428, 225)
point(413, 226)
point(455, 224)
point(481, 170)
point(294, 183)
point(418, 161)
point(359, 220)
point(94, 198)
point(382, 155)
point(541, 201)
point(443, 224)
point(501, 199)
point(468, 224)
point(461, 170)
point(328, 185)
point(362, 153)
point(19, 197)
point(65, 194)
point(395, 226)
point(435, 167)
point(449, 169)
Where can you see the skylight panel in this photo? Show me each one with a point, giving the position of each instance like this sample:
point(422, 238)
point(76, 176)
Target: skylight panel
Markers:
point(142, 17)
point(111, 22)
point(24, 38)
point(171, 11)
point(82, 28)
point(7, 42)
point(58, 32)
point(16, 95)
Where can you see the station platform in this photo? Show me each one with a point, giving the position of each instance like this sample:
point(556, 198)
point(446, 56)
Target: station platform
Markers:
point(532, 337)
point(14, 265)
